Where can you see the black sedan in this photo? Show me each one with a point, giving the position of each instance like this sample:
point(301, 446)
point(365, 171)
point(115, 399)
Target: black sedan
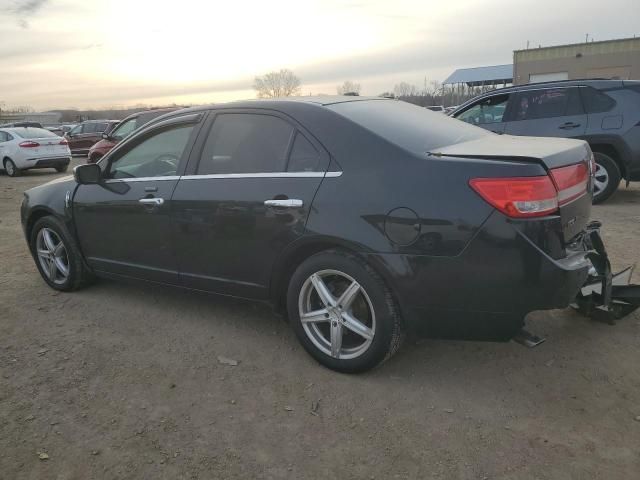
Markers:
point(362, 218)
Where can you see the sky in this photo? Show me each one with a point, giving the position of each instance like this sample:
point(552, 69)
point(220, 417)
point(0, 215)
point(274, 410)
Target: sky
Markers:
point(111, 53)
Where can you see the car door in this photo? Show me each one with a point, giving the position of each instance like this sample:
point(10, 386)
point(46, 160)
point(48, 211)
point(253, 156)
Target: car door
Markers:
point(74, 137)
point(488, 112)
point(124, 222)
point(548, 112)
point(245, 198)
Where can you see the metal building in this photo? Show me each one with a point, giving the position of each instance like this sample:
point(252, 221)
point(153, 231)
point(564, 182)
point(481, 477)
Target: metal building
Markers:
point(617, 59)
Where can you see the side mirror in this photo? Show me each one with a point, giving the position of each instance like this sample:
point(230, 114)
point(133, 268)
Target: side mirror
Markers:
point(87, 174)
point(105, 136)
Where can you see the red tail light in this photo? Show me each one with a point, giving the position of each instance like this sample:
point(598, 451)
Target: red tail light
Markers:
point(29, 144)
point(522, 197)
point(570, 181)
point(64, 141)
point(518, 197)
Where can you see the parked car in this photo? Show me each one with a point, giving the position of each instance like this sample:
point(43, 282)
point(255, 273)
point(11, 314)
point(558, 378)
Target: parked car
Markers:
point(127, 126)
point(21, 124)
point(24, 148)
point(82, 137)
point(363, 218)
point(605, 113)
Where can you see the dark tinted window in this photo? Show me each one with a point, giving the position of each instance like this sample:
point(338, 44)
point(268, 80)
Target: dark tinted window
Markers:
point(489, 110)
point(100, 127)
point(304, 157)
point(413, 128)
point(157, 155)
point(548, 103)
point(89, 128)
point(245, 143)
point(596, 101)
point(3, 137)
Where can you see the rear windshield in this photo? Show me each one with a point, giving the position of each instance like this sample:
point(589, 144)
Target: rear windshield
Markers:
point(413, 128)
point(30, 132)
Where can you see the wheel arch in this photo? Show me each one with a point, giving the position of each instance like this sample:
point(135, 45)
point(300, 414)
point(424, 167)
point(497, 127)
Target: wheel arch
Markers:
point(610, 150)
point(35, 215)
point(305, 248)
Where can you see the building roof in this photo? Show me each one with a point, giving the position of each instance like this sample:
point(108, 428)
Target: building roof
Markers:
point(482, 75)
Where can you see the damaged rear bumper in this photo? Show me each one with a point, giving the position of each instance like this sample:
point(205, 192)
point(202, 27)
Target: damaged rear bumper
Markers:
point(605, 296)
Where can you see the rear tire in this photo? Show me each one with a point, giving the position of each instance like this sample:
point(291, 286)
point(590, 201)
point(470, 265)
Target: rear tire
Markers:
point(345, 332)
point(11, 168)
point(607, 177)
point(62, 168)
point(57, 256)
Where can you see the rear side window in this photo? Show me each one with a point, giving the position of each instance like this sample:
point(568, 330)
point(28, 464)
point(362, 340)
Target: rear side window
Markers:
point(596, 101)
point(549, 103)
point(245, 143)
point(304, 156)
point(89, 128)
point(489, 110)
point(100, 127)
point(413, 128)
point(3, 137)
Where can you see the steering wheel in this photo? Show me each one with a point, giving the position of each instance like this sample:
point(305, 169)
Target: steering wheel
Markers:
point(170, 161)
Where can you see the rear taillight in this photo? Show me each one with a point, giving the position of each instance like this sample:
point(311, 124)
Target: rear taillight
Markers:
point(522, 197)
point(64, 141)
point(518, 197)
point(29, 144)
point(571, 182)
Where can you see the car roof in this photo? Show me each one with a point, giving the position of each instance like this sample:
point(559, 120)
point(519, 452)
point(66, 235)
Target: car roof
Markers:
point(595, 83)
point(156, 111)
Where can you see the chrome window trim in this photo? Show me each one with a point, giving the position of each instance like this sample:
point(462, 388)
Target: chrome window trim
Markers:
point(229, 175)
point(264, 175)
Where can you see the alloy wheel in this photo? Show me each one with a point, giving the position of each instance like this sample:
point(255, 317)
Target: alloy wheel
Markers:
point(10, 168)
point(52, 255)
point(600, 180)
point(337, 314)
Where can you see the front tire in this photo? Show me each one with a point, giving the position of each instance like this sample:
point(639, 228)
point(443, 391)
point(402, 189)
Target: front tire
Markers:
point(606, 178)
point(57, 255)
point(343, 313)
point(62, 168)
point(11, 168)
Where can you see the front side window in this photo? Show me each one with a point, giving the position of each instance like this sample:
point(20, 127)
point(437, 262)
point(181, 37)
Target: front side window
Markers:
point(489, 110)
point(76, 130)
point(156, 156)
point(245, 143)
point(100, 127)
point(89, 128)
point(124, 129)
point(549, 103)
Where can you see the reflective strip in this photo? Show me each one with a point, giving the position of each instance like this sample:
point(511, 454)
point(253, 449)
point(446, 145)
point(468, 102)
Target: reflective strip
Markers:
point(142, 179)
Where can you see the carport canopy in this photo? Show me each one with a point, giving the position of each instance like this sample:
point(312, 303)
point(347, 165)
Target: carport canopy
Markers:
point(482, 76)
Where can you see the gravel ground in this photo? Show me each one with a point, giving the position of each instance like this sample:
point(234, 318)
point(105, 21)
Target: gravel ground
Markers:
point(124, 381)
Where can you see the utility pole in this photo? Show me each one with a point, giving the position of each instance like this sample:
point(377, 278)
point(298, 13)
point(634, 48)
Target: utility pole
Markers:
point(586, 38)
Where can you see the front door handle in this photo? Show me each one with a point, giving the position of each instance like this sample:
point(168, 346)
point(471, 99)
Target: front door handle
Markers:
point(156, 202)
point(569, 125)
point(288, 203)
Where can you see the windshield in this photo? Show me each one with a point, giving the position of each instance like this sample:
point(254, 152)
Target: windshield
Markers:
point(29, 132)
point(413, 128)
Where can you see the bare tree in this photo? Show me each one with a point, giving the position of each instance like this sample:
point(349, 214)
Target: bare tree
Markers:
point(277, 84)
point(348, 87)
point(404, 89)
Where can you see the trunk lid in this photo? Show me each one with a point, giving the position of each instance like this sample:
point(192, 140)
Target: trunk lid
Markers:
point(48, 147)
point(551, 153)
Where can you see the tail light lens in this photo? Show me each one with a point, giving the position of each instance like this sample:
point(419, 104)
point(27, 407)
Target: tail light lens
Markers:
point(29, 144)
point(571, 182)
point(64, 141)
point(518, 197)
point(522, 197)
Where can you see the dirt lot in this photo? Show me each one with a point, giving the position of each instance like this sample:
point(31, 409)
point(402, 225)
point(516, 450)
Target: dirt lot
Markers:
point(123, 381)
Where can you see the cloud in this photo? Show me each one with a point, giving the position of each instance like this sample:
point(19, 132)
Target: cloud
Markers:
point(22, 9)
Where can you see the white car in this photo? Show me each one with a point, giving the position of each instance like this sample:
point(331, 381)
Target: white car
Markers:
point(23, 148)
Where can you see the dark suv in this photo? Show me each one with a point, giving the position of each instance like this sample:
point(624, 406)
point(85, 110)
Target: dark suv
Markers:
point(605, 113)
point(82, 137)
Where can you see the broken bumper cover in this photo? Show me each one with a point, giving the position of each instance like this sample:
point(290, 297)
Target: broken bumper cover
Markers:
point(605, 296)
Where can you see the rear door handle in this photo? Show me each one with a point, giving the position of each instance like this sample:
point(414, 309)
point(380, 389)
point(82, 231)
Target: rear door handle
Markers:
point(288, 203)
point(152, 201)
point(569, 125)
